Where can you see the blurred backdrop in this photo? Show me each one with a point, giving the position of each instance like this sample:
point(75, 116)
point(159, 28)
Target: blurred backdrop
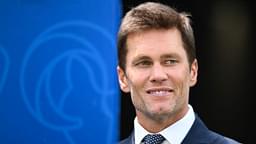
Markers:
point(225, 45)
point(58, 81)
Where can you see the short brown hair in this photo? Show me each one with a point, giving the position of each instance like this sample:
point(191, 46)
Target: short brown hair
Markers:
point(151, 15)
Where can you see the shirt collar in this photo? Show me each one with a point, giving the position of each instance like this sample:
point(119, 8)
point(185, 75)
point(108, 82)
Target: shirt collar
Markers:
point(174, 134)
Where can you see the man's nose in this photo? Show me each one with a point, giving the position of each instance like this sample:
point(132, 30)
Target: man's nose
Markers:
point(158, 73)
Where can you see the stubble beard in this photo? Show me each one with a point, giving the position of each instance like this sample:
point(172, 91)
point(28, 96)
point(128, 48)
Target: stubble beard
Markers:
point(158, 117)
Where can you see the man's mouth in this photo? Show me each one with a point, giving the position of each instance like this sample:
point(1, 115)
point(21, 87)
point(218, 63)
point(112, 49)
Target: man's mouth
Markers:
point(159, 91)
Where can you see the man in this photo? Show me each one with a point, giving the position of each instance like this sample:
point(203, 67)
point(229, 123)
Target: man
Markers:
point(157, 66)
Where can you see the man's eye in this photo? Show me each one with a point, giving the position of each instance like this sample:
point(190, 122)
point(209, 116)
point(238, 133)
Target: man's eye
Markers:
point(170, 62)
point(144, 63)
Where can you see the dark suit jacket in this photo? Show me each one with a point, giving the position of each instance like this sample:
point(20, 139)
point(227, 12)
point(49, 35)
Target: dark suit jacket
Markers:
point(198, 134)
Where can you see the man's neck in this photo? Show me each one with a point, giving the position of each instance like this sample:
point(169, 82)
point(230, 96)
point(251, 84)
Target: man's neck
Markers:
point(155, 125)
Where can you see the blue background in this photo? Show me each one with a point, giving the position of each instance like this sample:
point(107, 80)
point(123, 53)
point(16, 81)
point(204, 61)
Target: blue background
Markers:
point(58, 79)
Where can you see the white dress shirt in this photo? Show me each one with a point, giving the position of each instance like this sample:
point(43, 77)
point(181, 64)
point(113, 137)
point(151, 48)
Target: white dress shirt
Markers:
point(174, 134)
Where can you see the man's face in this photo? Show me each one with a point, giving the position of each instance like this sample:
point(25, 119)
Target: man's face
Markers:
point(157, 74)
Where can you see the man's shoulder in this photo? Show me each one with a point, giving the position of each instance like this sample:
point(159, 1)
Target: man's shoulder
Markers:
point(220, 139)
point(231, 141)
point(128, 140)
point(125, 141)
point(199, 133)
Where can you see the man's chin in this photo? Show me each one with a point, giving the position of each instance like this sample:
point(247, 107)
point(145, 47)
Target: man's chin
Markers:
point(159, 116)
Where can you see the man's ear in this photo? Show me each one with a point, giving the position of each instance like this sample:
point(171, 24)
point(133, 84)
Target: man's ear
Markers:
point(193, 73)
point(123, 81)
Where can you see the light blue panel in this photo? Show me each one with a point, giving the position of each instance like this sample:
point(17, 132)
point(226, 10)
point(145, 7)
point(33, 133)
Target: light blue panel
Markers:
point(58, 82)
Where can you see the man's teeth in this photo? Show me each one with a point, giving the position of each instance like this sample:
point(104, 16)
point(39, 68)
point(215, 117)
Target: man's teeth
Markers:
point(159, 93)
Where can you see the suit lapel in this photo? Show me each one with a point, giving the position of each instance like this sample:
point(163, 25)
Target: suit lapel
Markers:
point(199, 133)
point(129, 140)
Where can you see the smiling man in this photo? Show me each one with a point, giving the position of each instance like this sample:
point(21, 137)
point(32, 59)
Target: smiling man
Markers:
point(157, 66)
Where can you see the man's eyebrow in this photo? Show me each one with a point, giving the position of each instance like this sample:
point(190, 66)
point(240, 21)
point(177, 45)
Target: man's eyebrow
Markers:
point(141, 57)
point(171, 55)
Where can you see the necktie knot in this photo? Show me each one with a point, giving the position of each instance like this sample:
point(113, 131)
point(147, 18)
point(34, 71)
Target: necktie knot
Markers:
point(153, 139)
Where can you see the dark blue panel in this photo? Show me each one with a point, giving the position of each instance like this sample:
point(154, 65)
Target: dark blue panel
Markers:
point(58, 82)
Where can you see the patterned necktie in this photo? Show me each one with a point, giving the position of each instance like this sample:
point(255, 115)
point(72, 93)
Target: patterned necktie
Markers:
point(153, 139)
